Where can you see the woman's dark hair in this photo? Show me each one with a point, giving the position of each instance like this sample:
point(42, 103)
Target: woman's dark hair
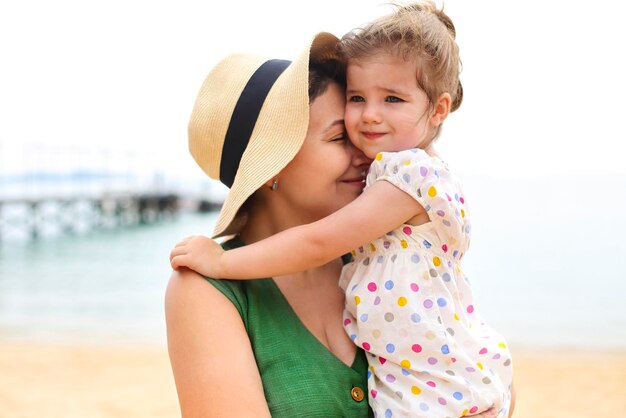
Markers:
point(323, 73)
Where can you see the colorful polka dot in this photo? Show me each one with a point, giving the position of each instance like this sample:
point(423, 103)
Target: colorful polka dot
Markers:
point(436, 261)
point(414, 287)
point(415, 390)
point(406, 364)
point(389, 284)
point(402, 301)
point(432, 191)
point(371, 286)
point(357, 300)
point(416, 348)
point(390, 348)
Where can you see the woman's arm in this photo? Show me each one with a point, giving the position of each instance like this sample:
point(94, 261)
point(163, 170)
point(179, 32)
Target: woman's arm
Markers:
point(381, 208)
point(212, 360)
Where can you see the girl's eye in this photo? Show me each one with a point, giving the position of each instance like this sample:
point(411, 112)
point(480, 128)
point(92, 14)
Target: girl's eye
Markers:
point(393, 99)
point(356, 99)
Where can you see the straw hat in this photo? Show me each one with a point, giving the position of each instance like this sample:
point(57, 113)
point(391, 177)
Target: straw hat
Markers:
point(250, 119)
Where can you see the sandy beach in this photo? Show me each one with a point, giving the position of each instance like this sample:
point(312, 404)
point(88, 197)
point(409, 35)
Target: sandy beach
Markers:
point(46, 381)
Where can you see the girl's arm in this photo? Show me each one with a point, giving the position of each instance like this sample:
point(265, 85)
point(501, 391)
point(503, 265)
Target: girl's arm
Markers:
point(381, 208)
point(213, 363)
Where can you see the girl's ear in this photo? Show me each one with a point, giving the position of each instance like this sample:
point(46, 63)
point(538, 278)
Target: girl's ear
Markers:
point(440, 110)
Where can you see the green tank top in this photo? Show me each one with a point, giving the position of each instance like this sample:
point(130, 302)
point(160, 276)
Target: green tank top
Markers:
point(301, 377)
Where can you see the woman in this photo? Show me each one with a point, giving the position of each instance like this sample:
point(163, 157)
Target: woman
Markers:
point(273, 346)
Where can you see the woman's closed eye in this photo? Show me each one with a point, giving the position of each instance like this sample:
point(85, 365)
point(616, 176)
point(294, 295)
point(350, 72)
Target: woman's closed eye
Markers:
point(341, 137)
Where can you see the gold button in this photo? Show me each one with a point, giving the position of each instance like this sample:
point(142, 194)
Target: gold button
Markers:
point(357, 394)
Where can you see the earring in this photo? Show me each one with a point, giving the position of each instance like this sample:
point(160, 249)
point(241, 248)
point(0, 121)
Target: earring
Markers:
point(274, 185)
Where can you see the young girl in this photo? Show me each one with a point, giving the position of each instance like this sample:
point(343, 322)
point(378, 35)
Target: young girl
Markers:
point(408, 303)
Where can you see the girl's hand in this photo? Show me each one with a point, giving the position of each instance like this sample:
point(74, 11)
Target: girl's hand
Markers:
point(198, 253)
point(490, 413)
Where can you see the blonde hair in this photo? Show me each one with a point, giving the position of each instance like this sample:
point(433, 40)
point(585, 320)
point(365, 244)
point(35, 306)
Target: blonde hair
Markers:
point(417, 32)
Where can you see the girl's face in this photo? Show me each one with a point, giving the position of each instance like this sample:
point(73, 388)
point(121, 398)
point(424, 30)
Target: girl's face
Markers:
point(328, 172)
point(386, 110)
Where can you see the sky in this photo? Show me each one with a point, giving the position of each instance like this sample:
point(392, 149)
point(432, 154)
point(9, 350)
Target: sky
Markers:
point(111, 84)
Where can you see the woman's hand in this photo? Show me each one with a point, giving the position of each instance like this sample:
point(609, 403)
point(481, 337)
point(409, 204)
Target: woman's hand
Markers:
point(198, 253)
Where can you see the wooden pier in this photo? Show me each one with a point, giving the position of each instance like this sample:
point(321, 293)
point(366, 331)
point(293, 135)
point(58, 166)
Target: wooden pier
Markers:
point(71, 214)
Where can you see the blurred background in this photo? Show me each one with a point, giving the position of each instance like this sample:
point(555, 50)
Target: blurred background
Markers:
point(96, 184)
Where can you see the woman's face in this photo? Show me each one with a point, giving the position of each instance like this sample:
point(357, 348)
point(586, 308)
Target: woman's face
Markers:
point(328, 172)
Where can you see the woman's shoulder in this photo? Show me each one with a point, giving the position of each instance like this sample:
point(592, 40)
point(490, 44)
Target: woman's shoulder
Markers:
point(206, 335)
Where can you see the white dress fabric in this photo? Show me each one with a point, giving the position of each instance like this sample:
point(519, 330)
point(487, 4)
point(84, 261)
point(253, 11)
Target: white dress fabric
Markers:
point(409, 305)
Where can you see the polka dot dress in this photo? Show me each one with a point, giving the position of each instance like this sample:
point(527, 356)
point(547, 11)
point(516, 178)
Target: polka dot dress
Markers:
point(409, 305)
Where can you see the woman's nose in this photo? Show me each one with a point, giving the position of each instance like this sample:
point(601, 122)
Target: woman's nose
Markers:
point(358, 157)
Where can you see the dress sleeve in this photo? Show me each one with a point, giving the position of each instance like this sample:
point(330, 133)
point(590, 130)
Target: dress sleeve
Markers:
point(428, 180)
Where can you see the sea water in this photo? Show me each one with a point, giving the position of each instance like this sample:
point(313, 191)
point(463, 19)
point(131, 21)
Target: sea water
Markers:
point(103, 286)
point(546, 263)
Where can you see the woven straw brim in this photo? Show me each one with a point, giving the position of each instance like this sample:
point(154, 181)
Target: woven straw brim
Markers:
point(278, 134)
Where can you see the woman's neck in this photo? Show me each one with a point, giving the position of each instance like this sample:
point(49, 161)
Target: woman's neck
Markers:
point(264, 222)
point(266, 219)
